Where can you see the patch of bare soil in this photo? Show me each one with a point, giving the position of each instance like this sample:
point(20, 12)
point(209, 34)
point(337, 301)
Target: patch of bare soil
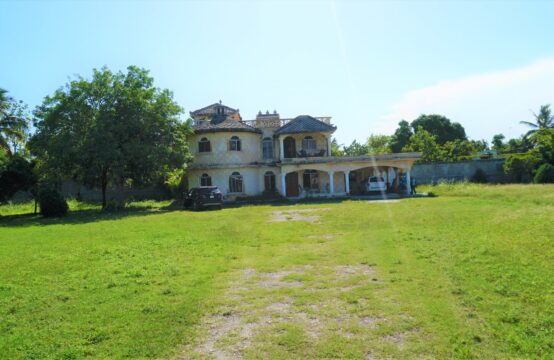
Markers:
point(297, 215)
point(235, 327)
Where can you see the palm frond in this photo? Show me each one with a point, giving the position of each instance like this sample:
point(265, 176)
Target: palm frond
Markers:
point(528, 123)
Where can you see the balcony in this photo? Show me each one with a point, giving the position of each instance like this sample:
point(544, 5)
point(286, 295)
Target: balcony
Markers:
point(307, 153)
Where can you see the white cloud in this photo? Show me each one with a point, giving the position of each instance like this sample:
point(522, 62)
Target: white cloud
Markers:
point(484, 104)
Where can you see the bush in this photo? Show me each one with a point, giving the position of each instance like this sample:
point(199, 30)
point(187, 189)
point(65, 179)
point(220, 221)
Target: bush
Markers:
point(479, 177)
point(113, 206)
point(51, 203)
point(544, 174)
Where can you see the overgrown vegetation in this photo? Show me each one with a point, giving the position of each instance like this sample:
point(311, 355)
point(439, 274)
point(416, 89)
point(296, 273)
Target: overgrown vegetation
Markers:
point(52, 203)
point(464, 275)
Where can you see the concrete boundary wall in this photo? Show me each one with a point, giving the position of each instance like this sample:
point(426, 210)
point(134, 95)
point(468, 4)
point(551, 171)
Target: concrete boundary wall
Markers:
point(460, 171)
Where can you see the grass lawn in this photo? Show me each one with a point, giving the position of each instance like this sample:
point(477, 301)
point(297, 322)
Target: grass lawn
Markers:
point(466, 274)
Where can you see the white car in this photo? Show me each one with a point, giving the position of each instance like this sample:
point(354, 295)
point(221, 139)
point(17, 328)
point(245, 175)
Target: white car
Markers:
point(376, 183)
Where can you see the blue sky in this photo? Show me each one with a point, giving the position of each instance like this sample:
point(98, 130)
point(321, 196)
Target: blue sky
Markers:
point(368, 64)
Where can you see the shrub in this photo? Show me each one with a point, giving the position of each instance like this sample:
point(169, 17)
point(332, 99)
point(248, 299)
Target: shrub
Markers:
point(113, 206)
point(480, 177)
point(521, 166)
point(544, 174)
point(52, 203)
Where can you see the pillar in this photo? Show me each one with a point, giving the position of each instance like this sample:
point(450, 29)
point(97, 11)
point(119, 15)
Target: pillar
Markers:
point(408, 182)
point(281, 148)
point(283, 184)
point(329, 140)
point(347, 181)
point(331, 182)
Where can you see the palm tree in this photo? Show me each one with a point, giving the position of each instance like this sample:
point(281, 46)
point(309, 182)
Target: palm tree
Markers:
point(10, 126)
point(543, 120)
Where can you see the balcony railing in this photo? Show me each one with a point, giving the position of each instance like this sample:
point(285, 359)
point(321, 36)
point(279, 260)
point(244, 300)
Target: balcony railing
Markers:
point(308, 153)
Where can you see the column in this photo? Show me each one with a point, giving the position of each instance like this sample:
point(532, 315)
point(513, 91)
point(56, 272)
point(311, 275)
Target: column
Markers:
point(283, 184)
point(331, 182)
point(281, 148)
point(408, 182)
point(329, 145)
point(347, 181)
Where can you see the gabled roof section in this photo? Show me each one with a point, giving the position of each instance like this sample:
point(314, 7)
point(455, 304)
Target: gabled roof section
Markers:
point(212, 109)
point(227, 125)
point(304, 124)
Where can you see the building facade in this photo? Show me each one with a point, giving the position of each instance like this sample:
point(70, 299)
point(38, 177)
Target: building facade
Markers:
point(291, 157)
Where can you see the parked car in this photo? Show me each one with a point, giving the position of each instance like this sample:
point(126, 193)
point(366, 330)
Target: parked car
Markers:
point(203, 197)
point(376, 183)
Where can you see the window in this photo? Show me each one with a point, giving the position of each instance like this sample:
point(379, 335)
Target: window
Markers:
point(204, 145)
point(205, 180)
point(267, 148)
point(234, 144)
point(235, 183)
point(311, 180)
point(309, 144)
point(269, 181)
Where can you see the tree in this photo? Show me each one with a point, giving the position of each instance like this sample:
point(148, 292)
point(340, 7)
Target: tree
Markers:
point(426, 143)
point(543, 141)
point(18, 175)
point(543, 120)
point(356, 149)
point(521, 165)
point(378, 144)
point(336, 148)
point(441, 127)
point(401, 136)
point(498, 142)
point(115, 128)
point(544, 175)
point(519, 145)
point(13, 123)
point(458, 150)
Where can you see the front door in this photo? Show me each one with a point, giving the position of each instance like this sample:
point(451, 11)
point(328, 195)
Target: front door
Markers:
point(290, 147)
point(291, 180)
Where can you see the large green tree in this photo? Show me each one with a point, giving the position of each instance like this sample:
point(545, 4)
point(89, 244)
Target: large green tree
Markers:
point(13, 123)
point(425, 143)
point(356, 149)
point(379, 144)
point(441, 127)
point(401, 136)
point(114, 128)
point(544, 119)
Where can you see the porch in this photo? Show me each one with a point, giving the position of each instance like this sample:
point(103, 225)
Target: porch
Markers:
point(346, 176)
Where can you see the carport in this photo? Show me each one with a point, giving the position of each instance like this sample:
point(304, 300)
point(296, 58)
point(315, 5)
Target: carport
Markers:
point(343, 176)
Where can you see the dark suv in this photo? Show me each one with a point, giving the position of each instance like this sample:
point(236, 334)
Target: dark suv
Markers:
point(202, 197)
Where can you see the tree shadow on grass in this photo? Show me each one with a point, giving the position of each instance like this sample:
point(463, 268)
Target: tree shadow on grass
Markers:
point(85, 216)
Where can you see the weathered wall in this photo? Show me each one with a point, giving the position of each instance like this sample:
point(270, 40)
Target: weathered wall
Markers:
point(251, 148)
point(71, 189)
point(459, 171)
point(252, 179)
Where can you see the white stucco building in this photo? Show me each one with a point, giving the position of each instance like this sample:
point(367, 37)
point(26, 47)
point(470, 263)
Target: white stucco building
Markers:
point(270, 155)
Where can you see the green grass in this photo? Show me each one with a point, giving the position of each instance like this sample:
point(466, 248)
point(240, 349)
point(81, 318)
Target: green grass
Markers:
point(466, 274)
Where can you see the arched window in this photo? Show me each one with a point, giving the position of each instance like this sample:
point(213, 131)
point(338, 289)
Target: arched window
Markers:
point(311, 180)
point(269, 181)
point(205, 180)
point(267, 148)
point(309, 144)
point(235, 183)
point(234, 143)
point(204, 145)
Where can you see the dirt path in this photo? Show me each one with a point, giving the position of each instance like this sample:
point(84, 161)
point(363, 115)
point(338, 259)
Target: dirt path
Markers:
point(311, 302)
